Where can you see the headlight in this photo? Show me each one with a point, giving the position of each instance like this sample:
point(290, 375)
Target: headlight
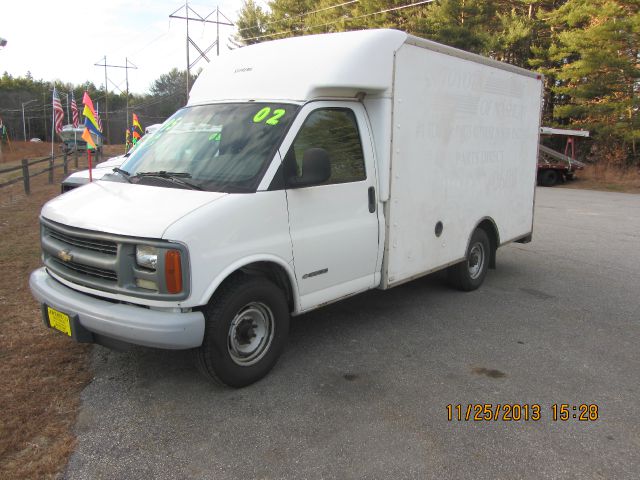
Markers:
point(147, 256)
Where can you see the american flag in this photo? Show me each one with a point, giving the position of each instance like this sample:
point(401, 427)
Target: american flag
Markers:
point(98, 119)
point(74, 111)
point(58, 112)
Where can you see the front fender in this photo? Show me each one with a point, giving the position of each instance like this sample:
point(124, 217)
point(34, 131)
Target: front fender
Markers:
point(243, 262)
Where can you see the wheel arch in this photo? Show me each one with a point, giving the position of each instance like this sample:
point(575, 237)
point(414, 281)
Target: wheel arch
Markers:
point(274, 268)
point(488, 224)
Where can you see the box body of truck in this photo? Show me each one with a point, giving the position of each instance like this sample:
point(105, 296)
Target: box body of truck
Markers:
point(463, 151)
point(301, 172)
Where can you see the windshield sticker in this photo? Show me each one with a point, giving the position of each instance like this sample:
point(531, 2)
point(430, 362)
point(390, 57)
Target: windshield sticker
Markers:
point(277, 113)
point(170, 124)
point(261, 115)
point(265, 112)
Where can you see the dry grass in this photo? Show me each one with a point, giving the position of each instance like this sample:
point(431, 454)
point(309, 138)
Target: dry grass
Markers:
point(12, 157)
point(41, 372)
point(19, 150)
point(607, 178)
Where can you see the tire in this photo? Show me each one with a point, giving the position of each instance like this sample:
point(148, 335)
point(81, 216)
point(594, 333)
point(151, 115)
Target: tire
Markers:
point(469, 274)
point(548, 178)
point(247, 324)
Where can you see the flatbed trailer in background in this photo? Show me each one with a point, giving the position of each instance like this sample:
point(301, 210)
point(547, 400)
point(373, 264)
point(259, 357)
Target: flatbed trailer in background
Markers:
point(553, 166)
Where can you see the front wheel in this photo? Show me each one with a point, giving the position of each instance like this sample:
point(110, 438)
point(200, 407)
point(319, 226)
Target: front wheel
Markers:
point(247, 324)
point(469, 274)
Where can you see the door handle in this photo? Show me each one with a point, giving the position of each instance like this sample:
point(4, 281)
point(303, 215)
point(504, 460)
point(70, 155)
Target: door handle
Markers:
point(372, 199)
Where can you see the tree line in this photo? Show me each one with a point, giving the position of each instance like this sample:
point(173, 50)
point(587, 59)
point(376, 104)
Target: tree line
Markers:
point(588, 50)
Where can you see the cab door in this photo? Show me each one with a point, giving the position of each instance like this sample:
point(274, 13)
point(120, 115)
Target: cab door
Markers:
point(334, 224)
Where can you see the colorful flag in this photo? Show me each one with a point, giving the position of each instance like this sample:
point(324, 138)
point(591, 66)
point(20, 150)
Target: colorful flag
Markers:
point(90, 123)
point(58, 112)
point(86, 100)
point(86, 136)
point(74, 111)
point(136, 122)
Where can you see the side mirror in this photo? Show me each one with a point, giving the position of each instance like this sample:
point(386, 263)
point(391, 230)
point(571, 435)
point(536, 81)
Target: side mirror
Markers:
point(316, 169)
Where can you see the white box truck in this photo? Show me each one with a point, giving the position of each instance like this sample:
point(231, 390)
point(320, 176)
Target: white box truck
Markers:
point(302, 171)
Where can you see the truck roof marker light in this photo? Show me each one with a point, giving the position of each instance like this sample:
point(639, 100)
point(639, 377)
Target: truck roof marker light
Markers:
point(173, 271)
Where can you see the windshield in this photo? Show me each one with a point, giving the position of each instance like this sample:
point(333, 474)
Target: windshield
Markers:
point(138, 144)
point(220, 147)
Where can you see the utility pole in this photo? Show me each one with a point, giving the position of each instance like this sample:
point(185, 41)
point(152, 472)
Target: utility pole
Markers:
point(126, 66)
point(24, 126)
point(196, 17)
point(126, 76)
point(106, 100)
point(44, 114)
point(186, 9)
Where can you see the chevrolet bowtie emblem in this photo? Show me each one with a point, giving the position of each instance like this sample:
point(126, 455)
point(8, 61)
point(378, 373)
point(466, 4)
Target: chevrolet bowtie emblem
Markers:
point(65, 256)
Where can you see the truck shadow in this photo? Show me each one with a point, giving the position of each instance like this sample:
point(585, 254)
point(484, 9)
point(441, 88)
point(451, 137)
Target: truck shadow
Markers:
point(335, 327)
point(340, 340)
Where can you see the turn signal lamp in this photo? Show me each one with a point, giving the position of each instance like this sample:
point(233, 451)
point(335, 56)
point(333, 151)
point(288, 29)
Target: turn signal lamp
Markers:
point(173, 271)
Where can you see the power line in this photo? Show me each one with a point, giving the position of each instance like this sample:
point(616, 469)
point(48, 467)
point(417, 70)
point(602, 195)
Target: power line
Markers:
point(300, 15)
point(127, 65)
point(151, 42)
point(340, 20)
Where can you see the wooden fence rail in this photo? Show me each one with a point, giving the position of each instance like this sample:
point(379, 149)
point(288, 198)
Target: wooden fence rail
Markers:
point(28, 173)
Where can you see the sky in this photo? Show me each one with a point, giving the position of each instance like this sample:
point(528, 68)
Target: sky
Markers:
point(62, 40)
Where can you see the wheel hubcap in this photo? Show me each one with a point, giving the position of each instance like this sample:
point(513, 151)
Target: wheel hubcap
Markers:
point(476, 260)
point(250, 334)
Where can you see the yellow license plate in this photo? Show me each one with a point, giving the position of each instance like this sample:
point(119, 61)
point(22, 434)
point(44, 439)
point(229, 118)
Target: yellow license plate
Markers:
point(60, 321)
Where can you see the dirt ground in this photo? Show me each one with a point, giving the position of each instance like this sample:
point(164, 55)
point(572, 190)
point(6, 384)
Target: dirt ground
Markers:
point(608, 179)
point(14, 153)
point(41, 372)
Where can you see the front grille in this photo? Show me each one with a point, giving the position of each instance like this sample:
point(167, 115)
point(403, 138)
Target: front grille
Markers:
point(93, 244)
point(87, 270)
point(107, 262)
point(80, 256)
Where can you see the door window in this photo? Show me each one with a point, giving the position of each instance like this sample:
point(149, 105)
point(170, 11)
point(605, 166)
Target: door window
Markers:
point(335, 130)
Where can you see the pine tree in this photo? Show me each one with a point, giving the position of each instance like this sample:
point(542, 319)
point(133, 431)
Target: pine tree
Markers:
point(251, 24)
point(596, 53)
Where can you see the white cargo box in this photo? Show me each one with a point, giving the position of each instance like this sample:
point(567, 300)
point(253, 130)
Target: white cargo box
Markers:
point(464, 148)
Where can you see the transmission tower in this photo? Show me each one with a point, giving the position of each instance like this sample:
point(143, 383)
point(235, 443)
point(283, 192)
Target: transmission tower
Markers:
point(127, 65)
point(191, 15)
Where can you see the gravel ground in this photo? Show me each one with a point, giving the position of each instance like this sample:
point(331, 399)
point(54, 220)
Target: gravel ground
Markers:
point(362, 389)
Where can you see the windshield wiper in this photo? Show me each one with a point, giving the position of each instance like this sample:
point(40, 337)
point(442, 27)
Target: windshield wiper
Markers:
point(124, 173)
point(176, 177)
